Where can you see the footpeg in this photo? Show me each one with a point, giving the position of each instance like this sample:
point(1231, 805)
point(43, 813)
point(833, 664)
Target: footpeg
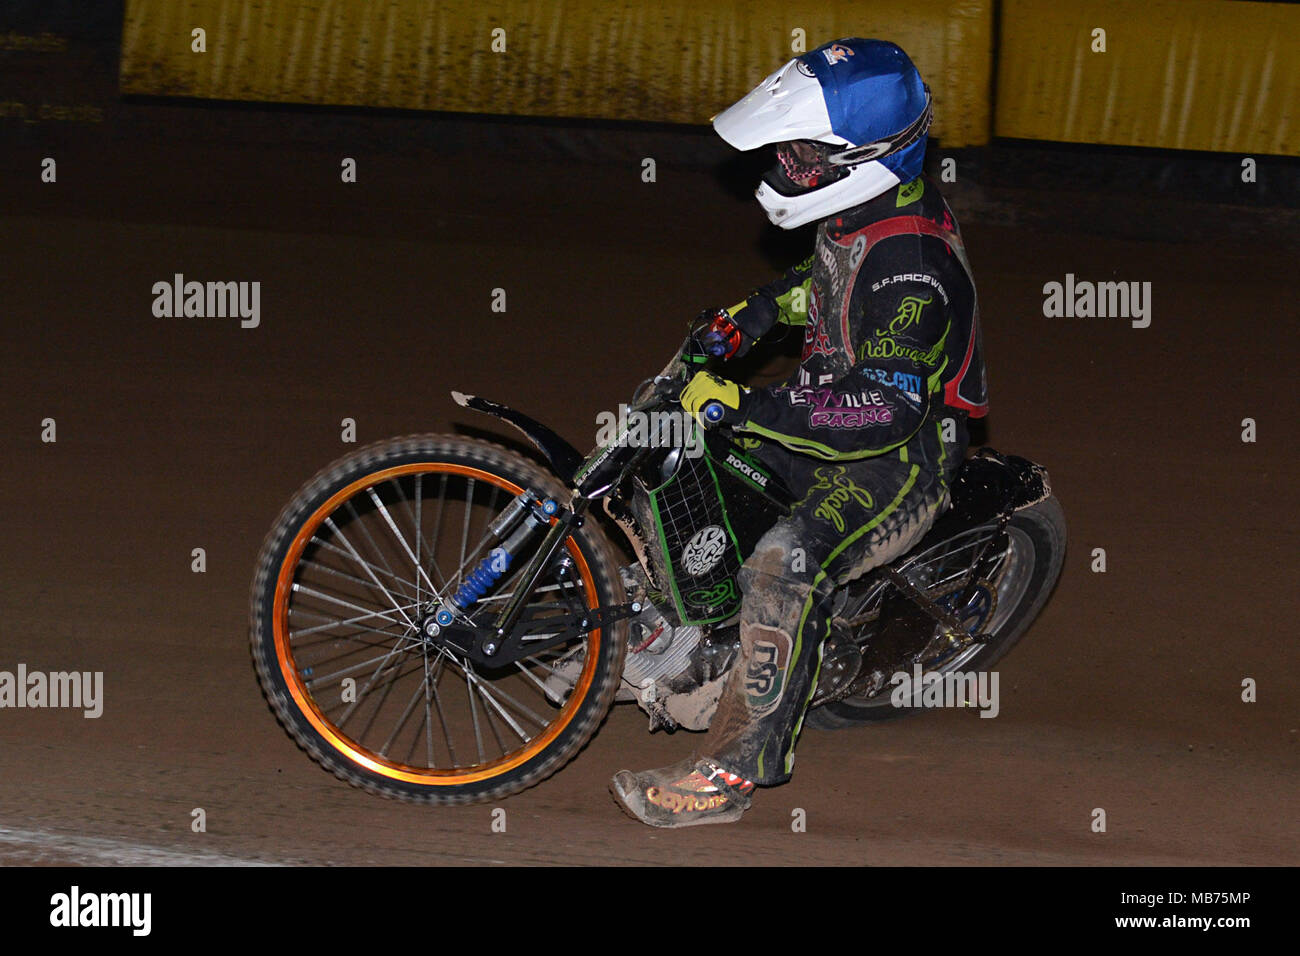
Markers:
point(659, 716)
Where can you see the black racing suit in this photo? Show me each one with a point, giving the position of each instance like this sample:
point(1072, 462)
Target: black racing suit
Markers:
point(872, 425)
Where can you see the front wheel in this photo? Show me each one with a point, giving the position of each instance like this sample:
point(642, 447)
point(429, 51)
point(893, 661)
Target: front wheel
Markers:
point(1020, 575)
point(343, 585)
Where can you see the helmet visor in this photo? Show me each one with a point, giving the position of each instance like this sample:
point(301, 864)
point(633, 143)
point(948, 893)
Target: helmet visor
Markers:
point(803, 165)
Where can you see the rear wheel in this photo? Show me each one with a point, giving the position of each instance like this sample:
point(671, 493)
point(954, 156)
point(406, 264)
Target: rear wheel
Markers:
point(345, 581)
point(1017, 579)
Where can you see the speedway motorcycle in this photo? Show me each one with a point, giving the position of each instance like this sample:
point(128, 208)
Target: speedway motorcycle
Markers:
point(440, 619)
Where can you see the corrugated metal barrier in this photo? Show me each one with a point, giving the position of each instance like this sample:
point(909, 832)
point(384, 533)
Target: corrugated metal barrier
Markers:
point(1187, 74)
point(1179, 74)
point(676, 61)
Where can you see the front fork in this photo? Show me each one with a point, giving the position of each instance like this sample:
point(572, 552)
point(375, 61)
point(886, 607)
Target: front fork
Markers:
point(527, 517)
point(561, 528)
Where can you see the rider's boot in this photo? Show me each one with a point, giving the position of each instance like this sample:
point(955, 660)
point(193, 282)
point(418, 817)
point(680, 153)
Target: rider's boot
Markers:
point(688, 793)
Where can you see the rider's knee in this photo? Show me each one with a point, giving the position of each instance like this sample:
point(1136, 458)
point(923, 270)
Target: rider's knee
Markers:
point(778, 563)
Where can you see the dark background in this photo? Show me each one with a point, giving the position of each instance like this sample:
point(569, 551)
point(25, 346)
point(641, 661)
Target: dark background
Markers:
point(183, 433)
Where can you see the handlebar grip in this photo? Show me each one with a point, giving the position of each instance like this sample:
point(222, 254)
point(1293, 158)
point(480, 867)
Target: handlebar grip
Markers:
point(714, 344)
point(713, 412)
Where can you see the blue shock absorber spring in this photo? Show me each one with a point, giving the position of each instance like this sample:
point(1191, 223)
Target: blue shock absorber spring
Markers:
point(478, 581)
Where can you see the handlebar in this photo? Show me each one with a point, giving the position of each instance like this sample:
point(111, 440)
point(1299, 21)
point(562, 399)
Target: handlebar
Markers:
point(713, 412)
point(700, 346)
point(714, 344)
point(604, 468)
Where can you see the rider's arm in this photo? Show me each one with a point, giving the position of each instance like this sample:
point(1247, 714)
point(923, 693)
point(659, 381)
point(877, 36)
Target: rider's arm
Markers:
point(883, 399)
point(845, 420)
point(782, 301)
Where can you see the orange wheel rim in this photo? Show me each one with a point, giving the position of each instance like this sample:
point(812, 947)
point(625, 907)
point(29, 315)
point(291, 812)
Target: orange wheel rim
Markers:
point(344, 744)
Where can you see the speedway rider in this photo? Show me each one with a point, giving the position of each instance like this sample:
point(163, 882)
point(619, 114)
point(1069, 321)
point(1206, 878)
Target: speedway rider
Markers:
point(891, 349)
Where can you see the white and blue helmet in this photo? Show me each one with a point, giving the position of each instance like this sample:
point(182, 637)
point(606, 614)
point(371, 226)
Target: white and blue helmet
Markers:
point(849, 119)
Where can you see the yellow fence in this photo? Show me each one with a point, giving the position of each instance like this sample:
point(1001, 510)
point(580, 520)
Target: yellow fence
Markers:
point(1188, 74)
point(1181, 74)
point(677, 61)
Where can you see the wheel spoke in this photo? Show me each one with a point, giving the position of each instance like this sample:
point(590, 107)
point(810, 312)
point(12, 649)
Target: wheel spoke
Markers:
point(396, 674)
point(324, 592)
point(437, 527)
point(374, 545)
point(428, 712)
point(419, 485)
point(337, 550)
point(487, 717)
point(327, 679)
point(348, 544)
point(473, 711)
point(464, 531)
point(534, 678)
point(442, 717)
point(401, 722)
point(398, 646)
point(312, 592)
point(468, 671)
point(402, 541)
point(532, 659)
point(340, 622)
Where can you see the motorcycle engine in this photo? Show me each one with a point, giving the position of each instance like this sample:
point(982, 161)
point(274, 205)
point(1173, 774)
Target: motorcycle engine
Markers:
point(658, 651)
point(673, 672)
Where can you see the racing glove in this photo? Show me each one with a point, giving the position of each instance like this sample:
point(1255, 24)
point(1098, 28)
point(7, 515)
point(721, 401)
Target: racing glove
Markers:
point(712, 400)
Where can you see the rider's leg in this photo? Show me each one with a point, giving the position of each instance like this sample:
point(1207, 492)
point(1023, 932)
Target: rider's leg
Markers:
point(854, 518)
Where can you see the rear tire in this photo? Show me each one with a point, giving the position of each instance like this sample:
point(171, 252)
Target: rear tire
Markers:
point(1038, 536)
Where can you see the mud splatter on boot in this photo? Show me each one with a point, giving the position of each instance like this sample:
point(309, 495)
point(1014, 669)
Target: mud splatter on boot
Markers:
point(688, 793)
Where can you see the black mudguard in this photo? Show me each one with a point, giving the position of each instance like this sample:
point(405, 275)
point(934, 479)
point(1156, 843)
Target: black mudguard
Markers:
point(986, 487)
point(559, 454)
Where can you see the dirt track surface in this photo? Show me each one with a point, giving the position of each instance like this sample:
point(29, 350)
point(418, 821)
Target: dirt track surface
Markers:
point(182, 433)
